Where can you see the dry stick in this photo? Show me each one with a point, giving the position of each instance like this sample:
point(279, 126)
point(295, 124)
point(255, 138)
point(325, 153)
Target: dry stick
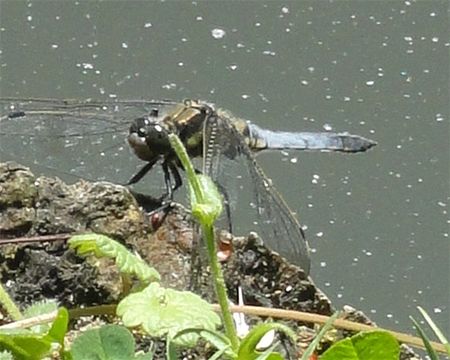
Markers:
point(37, 238)
point(338, 323)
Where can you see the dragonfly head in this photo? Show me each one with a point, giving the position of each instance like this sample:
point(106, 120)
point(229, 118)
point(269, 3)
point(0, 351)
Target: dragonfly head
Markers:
point(148, 137)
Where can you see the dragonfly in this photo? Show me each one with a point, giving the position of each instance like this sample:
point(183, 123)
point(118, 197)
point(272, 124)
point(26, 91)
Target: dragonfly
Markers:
point(220, 139)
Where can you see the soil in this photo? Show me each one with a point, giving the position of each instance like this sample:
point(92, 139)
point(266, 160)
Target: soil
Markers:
point(38, 214)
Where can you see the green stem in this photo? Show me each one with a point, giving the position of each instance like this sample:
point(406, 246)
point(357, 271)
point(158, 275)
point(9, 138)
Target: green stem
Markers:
point(9, 305)
point(182, 154)
point(219, 285)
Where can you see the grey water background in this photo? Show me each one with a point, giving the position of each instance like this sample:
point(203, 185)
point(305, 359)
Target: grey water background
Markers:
point(377, 222)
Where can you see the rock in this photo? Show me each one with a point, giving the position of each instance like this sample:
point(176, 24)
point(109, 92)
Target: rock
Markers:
point(37, 215)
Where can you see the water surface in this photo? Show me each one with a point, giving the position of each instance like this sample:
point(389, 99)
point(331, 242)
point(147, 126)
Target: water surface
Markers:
point(378, 222)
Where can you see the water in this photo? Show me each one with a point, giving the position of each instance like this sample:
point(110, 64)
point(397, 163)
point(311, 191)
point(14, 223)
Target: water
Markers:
point(378, 222)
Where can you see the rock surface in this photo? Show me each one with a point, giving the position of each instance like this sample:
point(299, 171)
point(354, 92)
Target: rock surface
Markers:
point(32, 269)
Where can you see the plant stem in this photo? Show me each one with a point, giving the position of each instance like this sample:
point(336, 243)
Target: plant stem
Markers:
point(219, 285)
point(9, 305)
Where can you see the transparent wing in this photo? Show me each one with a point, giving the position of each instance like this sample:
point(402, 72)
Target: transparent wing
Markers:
point(72, 138)
point(230, 162)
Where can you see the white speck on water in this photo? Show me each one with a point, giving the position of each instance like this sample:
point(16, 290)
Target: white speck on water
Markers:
point(327, 127)
point(439, 117)
point(408, 38)
point(269, 52)
point(437, 310)
point(304, 82)
point(346, 98)
point(218, 33)
point(389, 316)
point(370, 82)
point(199, 18)
point(29, 18)
point(240, 45)
point(257, 24)
point(148, 25)
point(319, 234)
point(180, 63)
point(124, 45)
point(323, 264)
point(169, 86)
point(87, 66)
point(435, 39)
point(432, 14)
point(293, 160)
point(285, 10)
point(54, 46)
point(245, 96)
point(263, 98)
point(232, 67)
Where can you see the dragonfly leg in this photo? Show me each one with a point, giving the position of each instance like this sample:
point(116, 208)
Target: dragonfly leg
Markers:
point(141, 173)
point(171, 171)
point(176, 175)
point(167, 181)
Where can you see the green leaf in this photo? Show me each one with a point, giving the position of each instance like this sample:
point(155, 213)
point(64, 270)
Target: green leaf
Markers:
point(165, 312)
point(27, 344)
point(313, 345)
point(40, 308)
point(270, 355)
point(58, 329)
point(103, 246)
point(217, 339)
point(435, 329)
point(171, 350)
point(431, 352)
point(25, 347)
point(248, 348)
point(370, 345)
point(146, 356)
point(6, 355)
point(208, 210)
point(109, 342)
